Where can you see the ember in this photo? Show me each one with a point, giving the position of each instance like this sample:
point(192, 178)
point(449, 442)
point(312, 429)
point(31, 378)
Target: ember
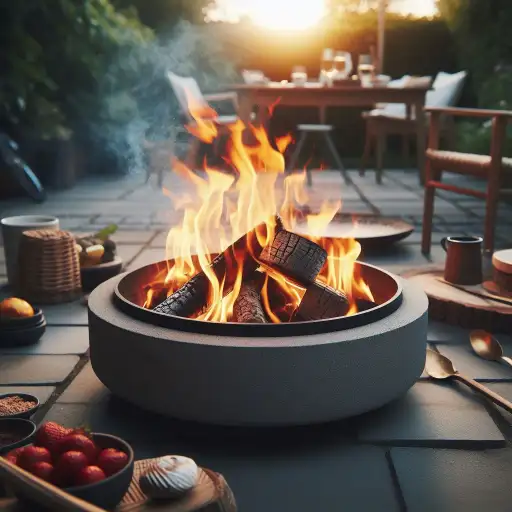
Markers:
point(266, 272)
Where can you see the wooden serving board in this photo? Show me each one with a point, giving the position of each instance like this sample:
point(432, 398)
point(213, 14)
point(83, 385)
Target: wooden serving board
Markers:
point(211, 494)
point(458, 307)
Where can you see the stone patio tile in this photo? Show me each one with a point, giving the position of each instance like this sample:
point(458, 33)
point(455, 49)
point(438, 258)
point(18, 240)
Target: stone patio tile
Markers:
point(43, 393)
point(470, 365)
point(69, 313)
point(127, 252)
point(146, 257)
point(35, 369)
point(398, 255)
point(124, 237)
point(415, 237)
point(432, 414)
point(442, 333)
point(502, 417)
point(56, 340)
point(86, 388)
point(454, 480)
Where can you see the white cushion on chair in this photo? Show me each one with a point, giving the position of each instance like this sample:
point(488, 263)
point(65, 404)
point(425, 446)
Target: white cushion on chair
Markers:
point(315, 127)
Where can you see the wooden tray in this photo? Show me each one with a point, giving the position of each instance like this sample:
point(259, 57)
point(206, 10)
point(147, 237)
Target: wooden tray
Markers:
point(458, 307)
point(371, 231)
point(211, 494)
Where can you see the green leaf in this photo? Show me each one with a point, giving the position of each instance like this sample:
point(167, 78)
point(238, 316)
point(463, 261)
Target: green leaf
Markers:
point(106, 232)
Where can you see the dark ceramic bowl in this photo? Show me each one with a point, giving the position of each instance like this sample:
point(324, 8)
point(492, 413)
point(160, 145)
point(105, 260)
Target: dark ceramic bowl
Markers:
point(18, 323)
point(23, 335)
point(97, 274)
point(19, 427)
point(109, 492)
point(25, 414)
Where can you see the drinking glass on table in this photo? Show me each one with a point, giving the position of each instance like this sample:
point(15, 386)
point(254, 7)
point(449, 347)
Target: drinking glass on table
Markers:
point(342, 65)
point(299, 76)
point(366, 70)
point(327, 67)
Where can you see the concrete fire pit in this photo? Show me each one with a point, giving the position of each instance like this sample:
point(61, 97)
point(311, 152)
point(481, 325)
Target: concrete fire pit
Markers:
point(262, 377)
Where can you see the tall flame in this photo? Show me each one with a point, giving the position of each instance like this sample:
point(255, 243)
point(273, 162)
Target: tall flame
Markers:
point(227, 206)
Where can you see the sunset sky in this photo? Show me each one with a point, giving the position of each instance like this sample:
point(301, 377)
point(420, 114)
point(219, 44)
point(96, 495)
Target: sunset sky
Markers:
point(297, 14)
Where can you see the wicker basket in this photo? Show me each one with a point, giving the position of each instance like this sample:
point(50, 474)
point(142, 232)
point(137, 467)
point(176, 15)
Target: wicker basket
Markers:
point(49, 268)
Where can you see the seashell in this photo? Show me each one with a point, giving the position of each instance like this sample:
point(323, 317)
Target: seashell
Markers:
point(169, 477)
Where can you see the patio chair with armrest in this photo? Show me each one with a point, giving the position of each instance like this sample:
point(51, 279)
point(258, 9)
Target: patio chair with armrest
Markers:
point(397, 119)
point(187, 88)
point(492, 168)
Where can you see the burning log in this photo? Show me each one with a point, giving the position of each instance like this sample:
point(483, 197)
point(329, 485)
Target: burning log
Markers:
point(321, 302)
point(191, 298)
point(365, 304)
point(294, 256)
point(247, 307)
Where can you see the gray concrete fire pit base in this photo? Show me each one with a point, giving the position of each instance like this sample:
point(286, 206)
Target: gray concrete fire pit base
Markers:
point(258, 381)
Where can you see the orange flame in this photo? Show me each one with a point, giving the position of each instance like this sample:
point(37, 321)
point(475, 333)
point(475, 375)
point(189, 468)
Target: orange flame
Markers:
point(226, 207)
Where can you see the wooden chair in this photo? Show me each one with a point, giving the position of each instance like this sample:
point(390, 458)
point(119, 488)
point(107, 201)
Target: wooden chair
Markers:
point(492, 168)
point(186, 89)
point(397, 119)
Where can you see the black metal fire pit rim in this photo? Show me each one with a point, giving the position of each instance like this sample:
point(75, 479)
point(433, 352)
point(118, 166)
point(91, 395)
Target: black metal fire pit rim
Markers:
point(259, 330)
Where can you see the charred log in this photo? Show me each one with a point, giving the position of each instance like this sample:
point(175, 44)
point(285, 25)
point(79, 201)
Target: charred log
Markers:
point(294, 256)
point(365, 304)
point(192, 298)
point(321, 302)
point(248, 308)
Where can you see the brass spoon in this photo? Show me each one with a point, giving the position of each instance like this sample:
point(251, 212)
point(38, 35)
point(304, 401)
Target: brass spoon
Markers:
point(488, 347)
point(440, 367)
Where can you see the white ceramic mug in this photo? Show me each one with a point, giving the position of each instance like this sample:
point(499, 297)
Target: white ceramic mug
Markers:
point(12, 229)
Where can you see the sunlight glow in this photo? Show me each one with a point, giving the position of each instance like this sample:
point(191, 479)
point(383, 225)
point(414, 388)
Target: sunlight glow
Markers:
point(417, 8)
point(277, 14)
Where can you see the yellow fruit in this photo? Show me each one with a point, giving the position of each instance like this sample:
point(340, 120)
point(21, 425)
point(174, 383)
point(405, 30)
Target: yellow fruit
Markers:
point(15, 308)
point(94, 254)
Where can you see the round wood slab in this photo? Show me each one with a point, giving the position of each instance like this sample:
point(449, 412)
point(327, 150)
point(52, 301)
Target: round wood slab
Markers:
point(369, 230)
point(211, 494)
point(458, 307)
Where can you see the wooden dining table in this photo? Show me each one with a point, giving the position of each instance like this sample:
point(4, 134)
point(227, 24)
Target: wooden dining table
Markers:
point(312, 95)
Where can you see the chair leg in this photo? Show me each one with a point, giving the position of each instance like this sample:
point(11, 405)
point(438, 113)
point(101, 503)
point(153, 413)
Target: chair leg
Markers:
point(296, 152)
point(428, 208)
point(193, 150)
point(337, 158)
point(491, 210)
point(366, 151)
point(380, 157)
point(405, 150)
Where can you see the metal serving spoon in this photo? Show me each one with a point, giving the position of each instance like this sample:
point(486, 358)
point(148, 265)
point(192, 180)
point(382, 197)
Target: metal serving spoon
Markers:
point(440, 367)
point(488, 347)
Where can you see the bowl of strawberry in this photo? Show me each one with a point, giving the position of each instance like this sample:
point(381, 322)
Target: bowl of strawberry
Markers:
point(97, 468)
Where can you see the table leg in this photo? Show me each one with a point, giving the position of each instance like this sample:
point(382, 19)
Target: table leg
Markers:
point(421, 135)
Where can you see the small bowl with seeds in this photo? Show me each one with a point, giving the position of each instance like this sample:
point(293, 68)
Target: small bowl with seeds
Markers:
point(18, 405)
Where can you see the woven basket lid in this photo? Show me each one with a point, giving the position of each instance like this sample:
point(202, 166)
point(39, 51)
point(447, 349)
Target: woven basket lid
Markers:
point(502, 261)
point(49, 267)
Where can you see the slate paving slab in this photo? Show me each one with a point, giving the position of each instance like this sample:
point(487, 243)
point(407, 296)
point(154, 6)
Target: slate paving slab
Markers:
point(453, 480)
point(470, 365)
point(56, 340)
point(86, 388)
point(432, 414)
point(35, 369)
point(70, 313)
point(43, 393)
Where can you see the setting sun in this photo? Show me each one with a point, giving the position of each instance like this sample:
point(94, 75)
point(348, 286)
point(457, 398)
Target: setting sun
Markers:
point(278, 14)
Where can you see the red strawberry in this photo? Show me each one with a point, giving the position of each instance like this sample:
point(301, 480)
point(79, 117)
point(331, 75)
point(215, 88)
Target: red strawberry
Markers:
point(70, 463)
point(50, 434)
point(13, 455)
point(112, 460)
point(42, 470)
point(32, 455)
point(79, 443)
point(90, 475)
